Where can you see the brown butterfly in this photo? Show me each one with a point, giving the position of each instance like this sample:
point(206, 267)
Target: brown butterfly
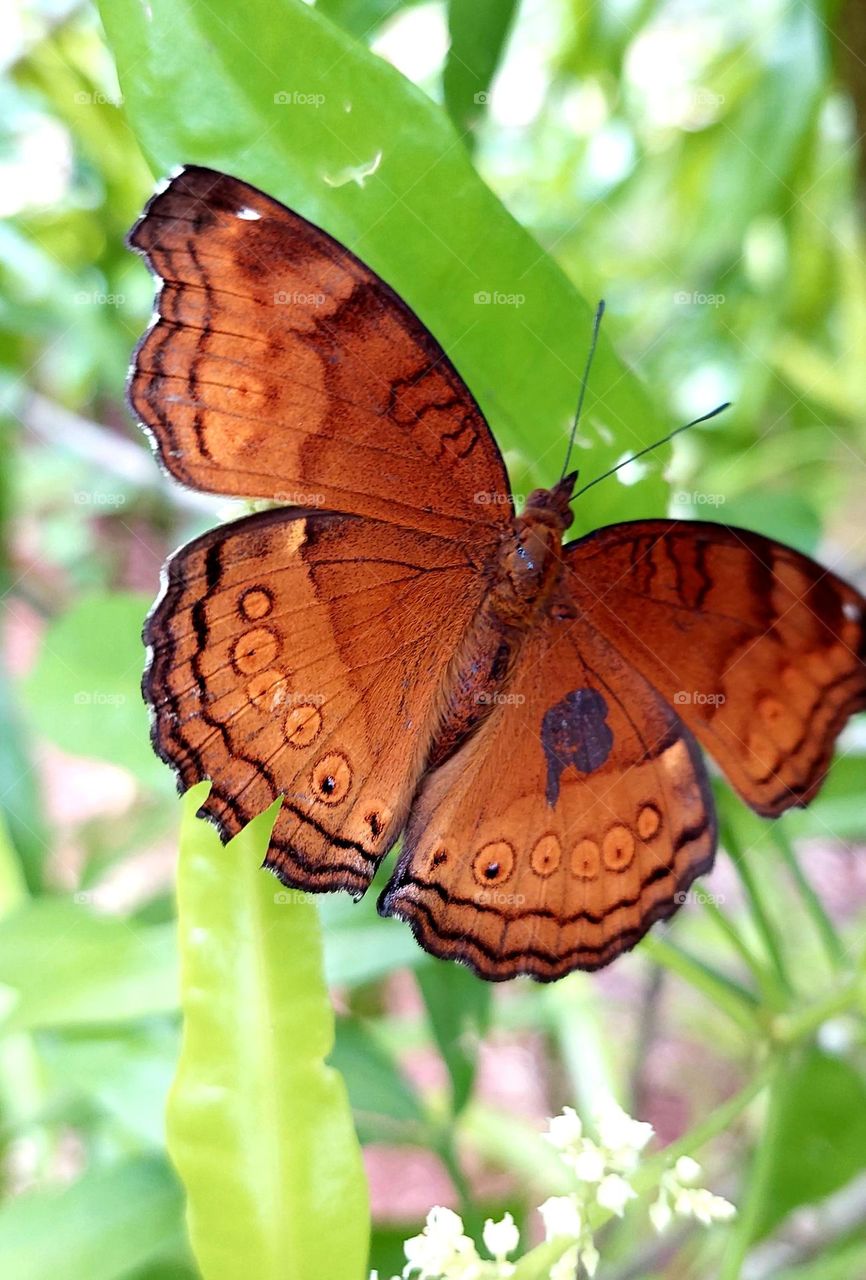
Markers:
point(389, 655)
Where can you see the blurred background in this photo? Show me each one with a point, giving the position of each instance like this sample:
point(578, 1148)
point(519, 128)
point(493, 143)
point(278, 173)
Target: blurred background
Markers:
point(701, 166)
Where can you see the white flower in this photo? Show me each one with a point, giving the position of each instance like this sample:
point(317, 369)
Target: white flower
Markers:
point(687, 1170)
point(588, 1163)
point(565, 1130)
point(565, 1267)
point(589, 1257)
point(562, 1217)
point(621, 1136)
point(501, 1238)
point(614, 1193)
point(441, 1251)
point(704, 1206)
point(661, 1214)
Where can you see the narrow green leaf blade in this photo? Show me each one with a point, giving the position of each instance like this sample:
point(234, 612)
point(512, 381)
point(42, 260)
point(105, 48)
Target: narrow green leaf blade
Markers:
point(259, 1127)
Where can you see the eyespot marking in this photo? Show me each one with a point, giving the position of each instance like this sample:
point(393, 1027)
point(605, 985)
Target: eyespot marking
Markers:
point(546, 856)
point(617, 848)
point(783, 725)
point(254, 650)
point(649, 822)
point(331, 778)
point(585, 860)
point(256, 603)
point(303, 724)
point(493, 863)
point(268, 689)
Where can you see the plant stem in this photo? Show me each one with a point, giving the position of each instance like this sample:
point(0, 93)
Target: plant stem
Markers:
point(824, 926)
point(736, 1000)
point(762, 920)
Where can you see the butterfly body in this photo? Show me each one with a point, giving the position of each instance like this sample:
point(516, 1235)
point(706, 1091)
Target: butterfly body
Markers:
point(395, 654)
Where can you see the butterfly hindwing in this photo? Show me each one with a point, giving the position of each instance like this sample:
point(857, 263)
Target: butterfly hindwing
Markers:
point(577, 815)
point(761, 650)
point(299, 654)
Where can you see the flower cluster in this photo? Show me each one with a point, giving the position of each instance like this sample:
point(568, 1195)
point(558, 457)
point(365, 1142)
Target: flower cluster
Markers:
point(444, 1252)
point(602, 1167)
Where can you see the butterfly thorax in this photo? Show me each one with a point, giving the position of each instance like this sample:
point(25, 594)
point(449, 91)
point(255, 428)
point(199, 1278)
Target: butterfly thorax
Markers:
point(522, 586)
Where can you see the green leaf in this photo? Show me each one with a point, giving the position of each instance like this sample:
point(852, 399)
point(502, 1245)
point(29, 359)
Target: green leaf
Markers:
point(479, 31)
point(385, 1105)
point(458, 1006)
point(125, 1072)
point(65, 964)
point(259, 1127)
point(85, 691)
point(370, 158)
point(99, 1228)
point(362, 17)
point(816, 1135)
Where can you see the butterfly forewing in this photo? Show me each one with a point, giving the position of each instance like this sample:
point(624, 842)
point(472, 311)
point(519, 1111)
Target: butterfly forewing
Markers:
point(279, 366)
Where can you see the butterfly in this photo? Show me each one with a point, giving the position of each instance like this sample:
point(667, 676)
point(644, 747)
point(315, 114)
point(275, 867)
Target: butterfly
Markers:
point(394, 652)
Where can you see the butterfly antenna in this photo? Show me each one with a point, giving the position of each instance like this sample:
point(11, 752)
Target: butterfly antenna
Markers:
point(664, 440)
point(596, 325)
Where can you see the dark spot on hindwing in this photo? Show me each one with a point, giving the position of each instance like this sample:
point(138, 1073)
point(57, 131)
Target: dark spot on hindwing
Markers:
point(575, 732)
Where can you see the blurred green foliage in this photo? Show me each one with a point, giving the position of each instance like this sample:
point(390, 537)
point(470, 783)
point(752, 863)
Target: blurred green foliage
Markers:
point(700, 167)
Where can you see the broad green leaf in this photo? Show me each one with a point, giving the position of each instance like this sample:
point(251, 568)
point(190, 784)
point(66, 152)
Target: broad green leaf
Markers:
point(385, 1105)
point(816, 1135)
point(458, 1006)
point(85, 691)
point(362, 17)
point(479, 30)
point(99, 1228)
point(64, 963)
point(126, 1072)
point(276, 94)
point(259, 1127)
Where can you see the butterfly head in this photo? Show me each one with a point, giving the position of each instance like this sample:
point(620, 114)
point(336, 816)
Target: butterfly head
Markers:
point(552, 506)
